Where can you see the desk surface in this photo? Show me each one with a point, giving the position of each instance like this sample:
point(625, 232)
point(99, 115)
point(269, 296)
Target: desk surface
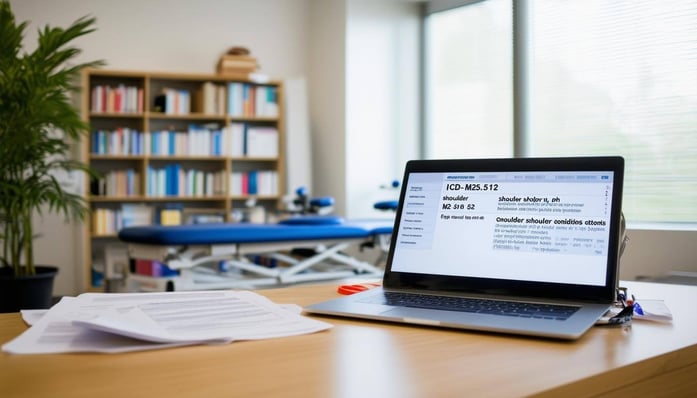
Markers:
point(366, 359)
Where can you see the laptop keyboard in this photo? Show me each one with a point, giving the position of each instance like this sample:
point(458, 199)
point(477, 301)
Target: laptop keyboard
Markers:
point(476, 305)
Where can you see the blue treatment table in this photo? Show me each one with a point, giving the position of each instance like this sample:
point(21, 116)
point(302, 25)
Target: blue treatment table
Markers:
point(217, 256)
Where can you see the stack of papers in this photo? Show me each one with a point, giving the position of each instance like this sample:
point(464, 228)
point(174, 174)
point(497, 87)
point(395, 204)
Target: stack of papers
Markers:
point(123, 322)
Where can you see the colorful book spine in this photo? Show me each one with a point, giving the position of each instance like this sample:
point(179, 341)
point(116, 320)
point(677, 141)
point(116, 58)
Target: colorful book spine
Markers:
point(174, 180)
point(116, 99)
point(117, 183)
point(254, 182)
point(120, 141)
point(250, 100)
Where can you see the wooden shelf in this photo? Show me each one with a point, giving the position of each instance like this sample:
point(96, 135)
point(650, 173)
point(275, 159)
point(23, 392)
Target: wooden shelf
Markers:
point(140, 198)
point(125, 115)
point(123, 102)
point(190, 116)
point(211, 158)
point(94, 156)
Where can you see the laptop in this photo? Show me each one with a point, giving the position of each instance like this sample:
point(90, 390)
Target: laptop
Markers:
point(525, 246)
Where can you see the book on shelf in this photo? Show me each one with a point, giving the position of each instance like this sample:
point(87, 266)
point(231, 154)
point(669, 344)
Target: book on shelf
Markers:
point(169, 214)
point(106, 221)
point(133, 214)
point(245, 99)
point(235, 133)
point(255, 182)
point(198, 140)
point(203, 216)
point(234, 66)
point(262, 141)
point(237, 61)
point(266, 101)
point(173, 180)
point(109, 221)
point(210, 99)
point(118, 99)
point(205, 140)
point(173, 102)
point(116, 183)
point(243, 139)
point(120, 141)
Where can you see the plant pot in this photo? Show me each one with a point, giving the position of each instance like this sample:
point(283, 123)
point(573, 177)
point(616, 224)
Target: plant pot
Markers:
point(26, 292)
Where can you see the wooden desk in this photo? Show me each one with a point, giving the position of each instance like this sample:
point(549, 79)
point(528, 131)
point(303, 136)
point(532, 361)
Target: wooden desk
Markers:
point(370, 359)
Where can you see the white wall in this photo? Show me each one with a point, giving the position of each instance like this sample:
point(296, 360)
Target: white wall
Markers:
point(655, 252)
point(326, 74)
point(181, 35)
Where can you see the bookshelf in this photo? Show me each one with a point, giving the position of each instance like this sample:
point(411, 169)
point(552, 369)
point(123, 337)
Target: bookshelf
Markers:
point(175, 148)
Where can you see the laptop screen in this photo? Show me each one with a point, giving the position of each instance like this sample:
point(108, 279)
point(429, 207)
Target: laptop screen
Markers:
point(532, 225)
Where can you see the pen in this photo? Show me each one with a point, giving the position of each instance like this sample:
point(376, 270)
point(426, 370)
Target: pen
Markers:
point(637, 307)
point(622, 296)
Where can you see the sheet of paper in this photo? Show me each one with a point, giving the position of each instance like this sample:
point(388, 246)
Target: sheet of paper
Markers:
point(653, 310)
point(30, 317)
point(55, 333)
point(121, 322)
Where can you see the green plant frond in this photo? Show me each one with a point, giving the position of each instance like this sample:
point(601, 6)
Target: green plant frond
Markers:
point(75, 70)
point(57, 59)
point(71, 164)
point(52, 39)
point(66, 119)
point(38, 126)
point(70, 205)
point(7, 191)
point(49, 105)
point(11, 34)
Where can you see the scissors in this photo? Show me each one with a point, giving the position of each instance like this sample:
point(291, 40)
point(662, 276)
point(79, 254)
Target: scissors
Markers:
point(356, 287)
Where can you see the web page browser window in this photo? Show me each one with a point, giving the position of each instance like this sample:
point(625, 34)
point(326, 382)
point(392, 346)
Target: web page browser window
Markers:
point(530, 226)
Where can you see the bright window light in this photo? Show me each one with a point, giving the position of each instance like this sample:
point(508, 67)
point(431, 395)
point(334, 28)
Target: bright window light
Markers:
point(620, 77)
point(469, 81)
point(606, 78)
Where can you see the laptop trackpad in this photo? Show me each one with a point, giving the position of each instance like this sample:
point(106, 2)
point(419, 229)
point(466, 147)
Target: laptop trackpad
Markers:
point(429, 316)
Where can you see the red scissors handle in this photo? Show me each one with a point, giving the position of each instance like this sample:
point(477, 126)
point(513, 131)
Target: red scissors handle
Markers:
point(356, 287)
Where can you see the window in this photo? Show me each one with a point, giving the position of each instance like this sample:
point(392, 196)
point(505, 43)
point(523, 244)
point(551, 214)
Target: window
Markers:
point(468, 70)
point(605, 77)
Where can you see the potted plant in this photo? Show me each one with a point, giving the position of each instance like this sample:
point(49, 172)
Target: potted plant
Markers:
point(38, 126)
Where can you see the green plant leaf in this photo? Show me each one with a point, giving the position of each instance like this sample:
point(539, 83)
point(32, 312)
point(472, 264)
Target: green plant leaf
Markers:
point(38, 125)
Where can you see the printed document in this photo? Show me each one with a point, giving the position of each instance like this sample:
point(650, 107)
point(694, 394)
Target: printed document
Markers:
point(122, 322)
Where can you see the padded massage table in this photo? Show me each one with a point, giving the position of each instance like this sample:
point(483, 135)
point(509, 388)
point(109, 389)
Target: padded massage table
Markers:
point(192, 249)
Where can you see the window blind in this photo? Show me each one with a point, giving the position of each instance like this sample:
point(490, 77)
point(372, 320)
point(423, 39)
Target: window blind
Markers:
point(620, 77)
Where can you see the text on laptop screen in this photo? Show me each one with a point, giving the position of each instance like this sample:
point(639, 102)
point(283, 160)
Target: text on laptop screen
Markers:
point(530, 226)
